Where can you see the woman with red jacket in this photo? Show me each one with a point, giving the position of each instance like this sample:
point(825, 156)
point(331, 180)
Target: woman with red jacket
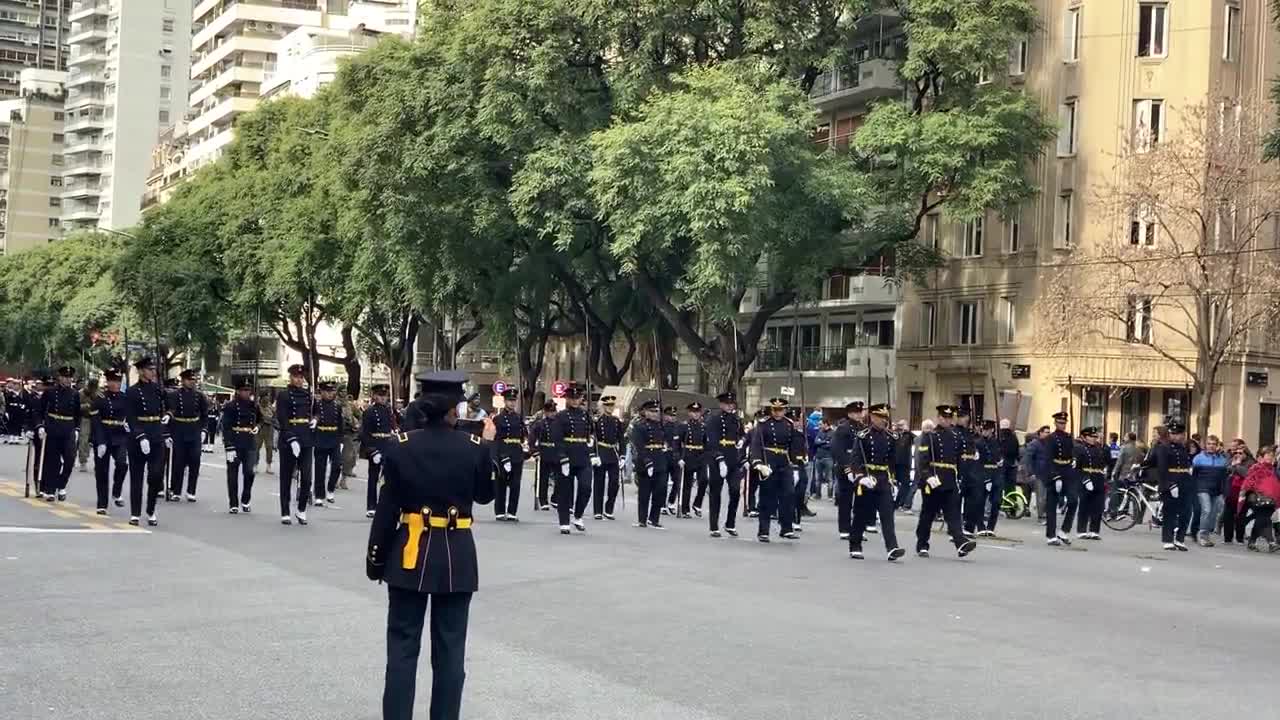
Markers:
point(1259, 493)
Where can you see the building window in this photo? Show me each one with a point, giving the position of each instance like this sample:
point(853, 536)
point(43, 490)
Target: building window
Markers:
point(1134, 407)
point(1177, 404)
point(1013, 238)
point(1071, 35)
point(55, 222)
point(55, 182)
point(56, 161)
point(164, 117)
point(1009, 317)
point(842, 335)
point(1231, 34)
point(165, 92)
point(166, 71)
point(967, 322)
point(837, 288)
point(1148, 124)
point(1138, 320)
point(1142, 227)
point(879, 333)
point(971, 241)
point(55, 202)
point(1067, 118)
point(915, 400)
point(1093, 408)
point(58, 137)
point(58, 116)
point(932, 231)
point(166, 25)
point(1153, 29)
point(1063, 238)
point(1018, 59)
point(1224, 226)
point(928, 324)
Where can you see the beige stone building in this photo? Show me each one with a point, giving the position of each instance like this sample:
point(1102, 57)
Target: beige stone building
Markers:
point(1108, 67)
point(31, 145)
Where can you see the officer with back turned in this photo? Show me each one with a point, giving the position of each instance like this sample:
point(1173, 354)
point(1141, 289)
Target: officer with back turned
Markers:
point(421, 545)
point(938, 473)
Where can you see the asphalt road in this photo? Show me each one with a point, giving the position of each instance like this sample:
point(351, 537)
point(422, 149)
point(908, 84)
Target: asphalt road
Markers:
point(237, 617)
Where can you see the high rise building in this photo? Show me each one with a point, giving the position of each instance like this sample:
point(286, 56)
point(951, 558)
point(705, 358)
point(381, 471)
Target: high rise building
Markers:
point(127, 83)
point(1110, 72)
point(236, 45)
point(33, 33)
point(30, 144)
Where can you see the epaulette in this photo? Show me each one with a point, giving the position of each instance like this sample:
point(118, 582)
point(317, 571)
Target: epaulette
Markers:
point(475, 439)
point(865, 432)
point(402, 437)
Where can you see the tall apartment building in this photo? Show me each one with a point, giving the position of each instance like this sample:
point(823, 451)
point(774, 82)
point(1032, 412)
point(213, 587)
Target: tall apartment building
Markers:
point(128, 82)
point(1107, 69)
point(30, 145)
point(33, 33)
point(236, 45)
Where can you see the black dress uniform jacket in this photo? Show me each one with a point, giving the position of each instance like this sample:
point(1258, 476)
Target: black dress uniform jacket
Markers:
point(1172, 464)
point(649, 447)
point(240, 419)
point(108, 414)
point(693, 441)
point(187, 410)
point(375, 428)
point(940, 451)
point(724, 436)
point(145, 408)
point(673, 432)
point(874, 454)
point(1092, 461)
point(1061, 454)
point(441, 473)
point(609, 432)
point(293, 415)
point(776, 443)
point(511, 434)
point(540, 444)
point(571, 433)
point(329, 424)
point(844, 446)
point(60, 408)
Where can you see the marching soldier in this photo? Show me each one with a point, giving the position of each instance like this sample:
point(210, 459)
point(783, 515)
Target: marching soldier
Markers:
point(15, 408)
point(938, 470)
point(241, 418)
point(693, 439)
point(110, 441)
point(844, 447)
point(571, 433)
point(510, 444)
point(420, 544)
point(725, 440)
point(799, 463)
point(327, 451)
point(187, 408)
point(983, 476)
point(350, 439)
point(83, 445)
point(1172, 465)
point(293, 414)
point(671, 428)
point(750, 504)
point(376, 433)
point(145, 401)
point(265, 441)
point(874, 483)
point(649, 453)
point(970, 479)
point(1092, 460)
point(59, 429)
point(1061, 482)
point(609, 437)
point(773, 449)
point(542, 448)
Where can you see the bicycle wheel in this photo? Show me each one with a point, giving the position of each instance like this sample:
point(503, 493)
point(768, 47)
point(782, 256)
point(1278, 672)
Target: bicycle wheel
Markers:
point(1125, 515)
point(1014, 505)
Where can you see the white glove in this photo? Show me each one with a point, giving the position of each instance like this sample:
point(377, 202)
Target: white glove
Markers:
point(1057, 486)
point(1173, 492)
point(988, 487)
point(168, 442)
point(564, 467)
point(648, 470)
point(849, 474)
point(795, 475)
point(506, 465)
point(724, 469)
point(144, 446)
point(742, 442)
point(40, 433)
point(764, 470)
point(595, 461)
point(231, 456)
point(164, 420)
point(591, 442)
point(376, 458)
point(102, 451)
point(295, 447)
point(933, 481)
point(867, 482)
point(680, 463)
point(314, 422)
point(1088, 485)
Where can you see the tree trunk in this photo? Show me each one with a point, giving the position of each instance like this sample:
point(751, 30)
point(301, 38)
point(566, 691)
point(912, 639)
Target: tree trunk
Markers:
point(531, 358)
point(1204, 402)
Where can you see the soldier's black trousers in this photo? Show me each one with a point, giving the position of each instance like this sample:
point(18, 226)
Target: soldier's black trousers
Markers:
point(406, 615)
point(1051, 498)
point(975, 504)
point(507, 499)
point(777, 493)
point(946, 500)
point(734, 483)
point(844, 501)
point(650, 492)
point(152, 468)
point(1171, 525)
point(59, 458)
point(866, 506)
point(799, 495)
point(186, 464)
point(604, 490)
point(547, 469)
point(674, 475)
point(572, 492)
point(116, 459)
point(245, 462)
point(328, 466)
point(751, 504)
point(693, 475)
point(702, 485)
point(371, 491)
point(1091, 502)
point(289, 463)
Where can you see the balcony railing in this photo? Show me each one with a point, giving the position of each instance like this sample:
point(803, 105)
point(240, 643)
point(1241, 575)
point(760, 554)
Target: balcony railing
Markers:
point(832, 358)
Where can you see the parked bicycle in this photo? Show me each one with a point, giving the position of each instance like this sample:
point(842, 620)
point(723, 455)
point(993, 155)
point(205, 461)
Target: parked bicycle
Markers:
point(1132, 503)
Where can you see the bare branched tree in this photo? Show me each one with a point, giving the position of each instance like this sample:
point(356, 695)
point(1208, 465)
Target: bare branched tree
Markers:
point(1185, 266)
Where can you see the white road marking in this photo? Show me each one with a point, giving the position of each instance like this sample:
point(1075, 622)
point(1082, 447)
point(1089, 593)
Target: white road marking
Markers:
point(71, 531)
point(997, 547)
